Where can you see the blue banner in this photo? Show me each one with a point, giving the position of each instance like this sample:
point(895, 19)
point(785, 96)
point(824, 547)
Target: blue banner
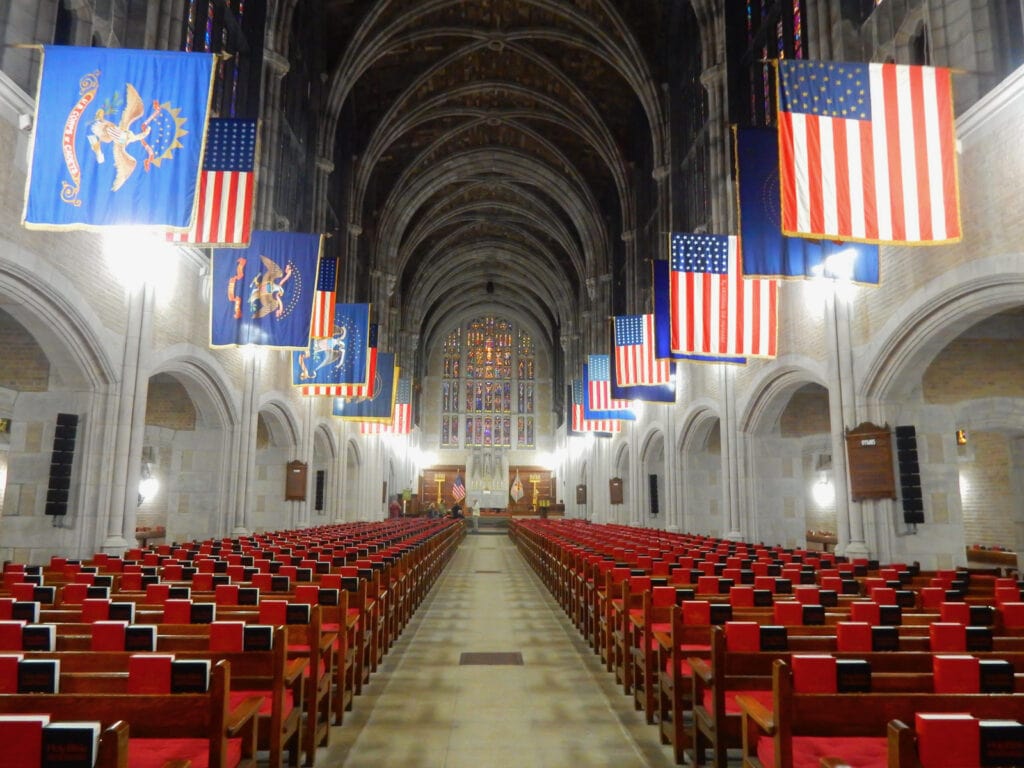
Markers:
point(263, 294)
point(766, 251)
point(382, 404)
point(118, 138)
point(341, 357)
point(662, 320)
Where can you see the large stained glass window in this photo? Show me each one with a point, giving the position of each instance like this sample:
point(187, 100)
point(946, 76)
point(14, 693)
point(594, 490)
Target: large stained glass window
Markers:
point(487, 386)
point(771, 30)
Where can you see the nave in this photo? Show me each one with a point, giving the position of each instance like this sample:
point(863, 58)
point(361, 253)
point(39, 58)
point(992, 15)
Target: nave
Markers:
point(423, 709)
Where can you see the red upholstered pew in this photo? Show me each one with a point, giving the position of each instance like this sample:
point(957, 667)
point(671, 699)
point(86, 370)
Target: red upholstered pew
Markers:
point(797, 730)
point(202, 728)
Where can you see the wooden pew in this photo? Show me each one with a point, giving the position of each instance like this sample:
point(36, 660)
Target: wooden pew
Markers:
point(838, 724)
point(255, 673)
point(178, 725)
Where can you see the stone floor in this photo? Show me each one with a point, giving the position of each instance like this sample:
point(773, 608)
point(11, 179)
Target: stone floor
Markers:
point(559, 709)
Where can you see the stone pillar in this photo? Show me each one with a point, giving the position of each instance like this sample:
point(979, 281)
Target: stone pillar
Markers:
point(275, 67)
point(131, 419)
point(842, 415)
point(324, 169)
point(723, 209)
point(245, 468)
point(730, 437)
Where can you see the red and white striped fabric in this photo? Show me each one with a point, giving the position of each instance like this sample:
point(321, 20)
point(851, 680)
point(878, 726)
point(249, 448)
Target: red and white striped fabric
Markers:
point(580, 424)
point(867, 152)
point(224, 198)
point(714, 310)
point(635, 361)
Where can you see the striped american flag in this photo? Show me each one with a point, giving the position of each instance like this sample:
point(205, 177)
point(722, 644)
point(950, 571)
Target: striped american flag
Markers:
point(635, 361)
point(714, 309)
point(580, 424)
point(867, 152)
point(599, 385)
point(324, 299)
point(224, 197)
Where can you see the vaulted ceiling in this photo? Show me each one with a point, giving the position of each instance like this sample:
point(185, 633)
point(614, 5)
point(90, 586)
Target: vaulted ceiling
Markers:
point(494, 144)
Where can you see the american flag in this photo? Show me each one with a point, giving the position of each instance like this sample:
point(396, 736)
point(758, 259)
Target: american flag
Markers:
point(599, 386)
point(225, 193)
point(401, 419)
point(458, 488)
point(635, 363)
point(324, 298)
point(714, 309)
point(580, 424)
point(867, 152)
point(351, 390)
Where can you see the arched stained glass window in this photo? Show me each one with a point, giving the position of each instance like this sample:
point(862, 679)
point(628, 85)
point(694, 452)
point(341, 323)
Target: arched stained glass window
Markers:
point(488, 378)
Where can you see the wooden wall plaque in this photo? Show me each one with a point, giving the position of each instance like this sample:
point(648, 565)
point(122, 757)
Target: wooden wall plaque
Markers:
point(615, 490)
point(869, 456)
point(295, 481)
point(581, 494)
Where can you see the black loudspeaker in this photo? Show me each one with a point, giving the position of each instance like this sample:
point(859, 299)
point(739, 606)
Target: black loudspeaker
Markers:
point(910, 475)
point(318, 497)
point(65, 435)
point(652, 483)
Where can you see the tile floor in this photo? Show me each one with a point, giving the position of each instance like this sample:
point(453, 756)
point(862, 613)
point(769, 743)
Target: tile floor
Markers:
point(560, 709)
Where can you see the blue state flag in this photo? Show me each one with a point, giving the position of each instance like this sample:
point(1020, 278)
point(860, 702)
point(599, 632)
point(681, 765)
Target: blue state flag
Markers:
point(118, 138)
point(263, 294)
point(341, 358)
point(766, 251)
point(663, 319)
point(382, 404)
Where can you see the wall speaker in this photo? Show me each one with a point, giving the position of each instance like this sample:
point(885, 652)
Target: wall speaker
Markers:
point(62, 457)
point(910, 475)
point(318, 498)
point(652, 494)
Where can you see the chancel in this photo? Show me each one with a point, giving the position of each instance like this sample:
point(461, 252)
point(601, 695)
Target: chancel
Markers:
point(706, 319)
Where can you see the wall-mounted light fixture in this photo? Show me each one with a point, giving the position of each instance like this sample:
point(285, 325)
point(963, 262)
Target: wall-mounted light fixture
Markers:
point(961, 437)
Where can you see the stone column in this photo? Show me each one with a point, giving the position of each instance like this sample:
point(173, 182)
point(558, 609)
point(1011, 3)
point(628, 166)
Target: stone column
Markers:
point(723, 210)
point(321, 185)
point(842, 415)
point(729, 432)
point(131, 419)
point(275, 67)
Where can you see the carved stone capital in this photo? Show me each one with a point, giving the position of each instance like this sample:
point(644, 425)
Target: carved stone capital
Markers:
point(713, 76)
point(325, 164)
point(355, 230)
point(661, 172)
point(278, 64)
point(628, 236)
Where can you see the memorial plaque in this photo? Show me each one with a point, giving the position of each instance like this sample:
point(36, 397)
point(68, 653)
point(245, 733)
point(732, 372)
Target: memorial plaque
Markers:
point(869, 456)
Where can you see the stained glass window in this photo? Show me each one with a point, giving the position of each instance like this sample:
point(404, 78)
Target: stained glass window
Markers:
point(488, 372)
point(772, 31)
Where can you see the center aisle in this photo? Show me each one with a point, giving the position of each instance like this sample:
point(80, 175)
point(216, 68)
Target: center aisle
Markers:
point(559, 709)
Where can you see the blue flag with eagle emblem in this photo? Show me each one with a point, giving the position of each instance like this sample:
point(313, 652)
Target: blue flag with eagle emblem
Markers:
point(263, 294)
point(118, 138)
point(381, 406)
point(341, 358)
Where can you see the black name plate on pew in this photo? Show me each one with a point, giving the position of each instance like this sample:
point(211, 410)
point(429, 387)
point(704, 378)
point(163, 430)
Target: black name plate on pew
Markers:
point(853, 676)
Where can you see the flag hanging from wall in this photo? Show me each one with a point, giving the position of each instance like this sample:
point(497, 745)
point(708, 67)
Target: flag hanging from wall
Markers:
point(324, 299)
point(401, 419)
point(867, 152)
point(648, 393)
point(598, 402)
point(350, 390)
point(636, 363)
point(226, 186)
point(339, 358)
point(714, 310)
point(663, 323)
point(118, 138)
point(766, 251)
point(578, 424)
point(263, 294)
point(380, 406)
